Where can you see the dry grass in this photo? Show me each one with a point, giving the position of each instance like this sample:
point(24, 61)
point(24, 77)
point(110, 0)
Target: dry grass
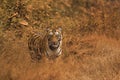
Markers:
point(85, 58)
point(91, 44)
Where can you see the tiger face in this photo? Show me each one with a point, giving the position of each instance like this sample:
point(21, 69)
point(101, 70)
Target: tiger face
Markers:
point(54, 38)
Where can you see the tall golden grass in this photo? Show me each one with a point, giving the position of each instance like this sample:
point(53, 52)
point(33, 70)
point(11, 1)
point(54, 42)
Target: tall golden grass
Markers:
point(91, 42)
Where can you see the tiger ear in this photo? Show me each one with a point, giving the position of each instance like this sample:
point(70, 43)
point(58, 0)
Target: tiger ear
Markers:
point(60, 28)
point(48, 29)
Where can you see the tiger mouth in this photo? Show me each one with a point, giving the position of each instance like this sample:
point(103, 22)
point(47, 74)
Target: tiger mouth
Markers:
point(53, 46)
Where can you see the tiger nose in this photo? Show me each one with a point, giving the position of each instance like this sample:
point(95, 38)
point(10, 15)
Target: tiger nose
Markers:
point(54, 43)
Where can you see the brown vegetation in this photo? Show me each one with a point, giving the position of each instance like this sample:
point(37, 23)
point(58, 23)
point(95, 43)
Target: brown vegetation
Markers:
point(91, 41)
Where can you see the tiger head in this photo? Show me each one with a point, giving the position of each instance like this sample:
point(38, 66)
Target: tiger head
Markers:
point(54, 40)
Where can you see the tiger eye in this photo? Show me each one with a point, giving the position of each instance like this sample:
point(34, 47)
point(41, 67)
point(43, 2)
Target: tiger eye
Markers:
point(56, 33)
point(51, 33)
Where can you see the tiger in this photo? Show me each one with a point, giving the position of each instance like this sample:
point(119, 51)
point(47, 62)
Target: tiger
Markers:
point(48, 44)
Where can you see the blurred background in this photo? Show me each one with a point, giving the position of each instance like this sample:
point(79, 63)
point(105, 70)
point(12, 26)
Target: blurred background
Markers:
point(91, 44)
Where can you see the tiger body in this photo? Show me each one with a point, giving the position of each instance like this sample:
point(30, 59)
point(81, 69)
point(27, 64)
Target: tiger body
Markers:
point(48, 44)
